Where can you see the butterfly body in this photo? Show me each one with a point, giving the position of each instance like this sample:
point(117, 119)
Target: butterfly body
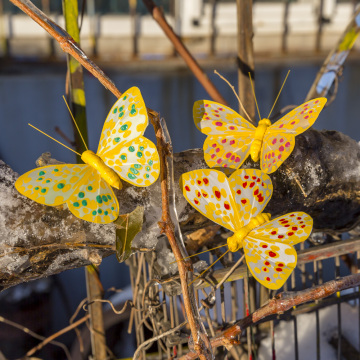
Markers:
point(106, 172)
point(235, 242)
point(236, 203)
point(123, 153)
point(231, 138)
point(256, 145)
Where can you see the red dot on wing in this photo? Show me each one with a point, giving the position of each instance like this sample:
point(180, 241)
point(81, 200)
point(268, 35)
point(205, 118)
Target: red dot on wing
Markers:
point(238, 191)
point(196, 201)
point(252, 184)
point(266, 263)
point(280, 236)
point(206, 181)
point(256, 192)
point(290, 233)
point(267, 278)
point(279, 269)
point(217, 194)
point(273, 232)
point(227, 206)
point(264, 246)
point(187, 188)
point(272, 254)
point(243, 201)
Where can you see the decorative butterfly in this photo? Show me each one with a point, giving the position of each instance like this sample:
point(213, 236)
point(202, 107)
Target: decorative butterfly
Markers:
point(236, 203)
point(122, 153)
point(231, 138)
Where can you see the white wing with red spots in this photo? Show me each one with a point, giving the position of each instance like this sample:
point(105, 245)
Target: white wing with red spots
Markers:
point(214, 118)
point(252, 190)
point(209, 192)
point(271, 263)
point(230, 151)
point(291, 229)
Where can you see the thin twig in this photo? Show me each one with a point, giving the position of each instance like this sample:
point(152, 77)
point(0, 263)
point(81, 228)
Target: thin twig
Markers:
point(117, 312)
point(279, 304)
point(179, 46)
point(57, 334)
point(200, 340)
point(145, 343)
point(34, 334)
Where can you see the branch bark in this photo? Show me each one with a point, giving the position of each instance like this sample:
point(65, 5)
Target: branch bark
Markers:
point(38, 241)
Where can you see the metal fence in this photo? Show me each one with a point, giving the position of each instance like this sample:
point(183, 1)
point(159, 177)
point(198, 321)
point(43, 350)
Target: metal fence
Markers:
point(162, 307)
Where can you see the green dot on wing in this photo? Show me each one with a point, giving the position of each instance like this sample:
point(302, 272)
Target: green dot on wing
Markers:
point(105, 212)
point(147, 176)
point(37, 188)
point(109, 197)
point(105, 199)
point(76, 204)
point(131, 176)
point(81, 194)
point(141, 148)
point(99, 211)
point(123, 157)
point(90, 188)
point(112, 208)
point(47, 181)
point(117, 139)
point(84, 203)
point(137, 166)
point(98, 199)
point(150, 162)
point(43, 190)
point(139, 154)
point(94, 212)
point(131, 149)
point(60, 186)
point(41, 173)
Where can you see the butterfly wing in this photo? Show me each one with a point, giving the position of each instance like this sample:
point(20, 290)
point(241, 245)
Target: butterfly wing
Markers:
point(93, 199)
point(126, 120)
point(213, 118)
point(276, 148)
point(122, 146)
point(300, 118)
point(271, 263)
point(252, 191)
point(230, 135)
point(291, 228)
point(137, 161)
point(209, 192)
point(51, 185)
point(227, 151)
point(268, 248)
point(279, 139)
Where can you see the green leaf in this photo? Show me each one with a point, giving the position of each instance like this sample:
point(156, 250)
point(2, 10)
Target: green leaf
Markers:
point(128, 226)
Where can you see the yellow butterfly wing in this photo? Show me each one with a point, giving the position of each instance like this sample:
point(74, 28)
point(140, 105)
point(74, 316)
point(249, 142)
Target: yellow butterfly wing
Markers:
point(252, 190)
point(93, 199)
point(268, 248)
point(279, 139)
point(229, 134)
point(209, 192)
point(51, 185)
point(270, 263)
point(122, 146)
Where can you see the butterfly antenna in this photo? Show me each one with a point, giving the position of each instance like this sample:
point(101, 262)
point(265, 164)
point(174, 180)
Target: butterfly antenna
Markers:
point(72, 116)
point(210, 266)
point(55, 139)
point(198, 254)
point(237, 96)
point(278, 94)
point(253, 90)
